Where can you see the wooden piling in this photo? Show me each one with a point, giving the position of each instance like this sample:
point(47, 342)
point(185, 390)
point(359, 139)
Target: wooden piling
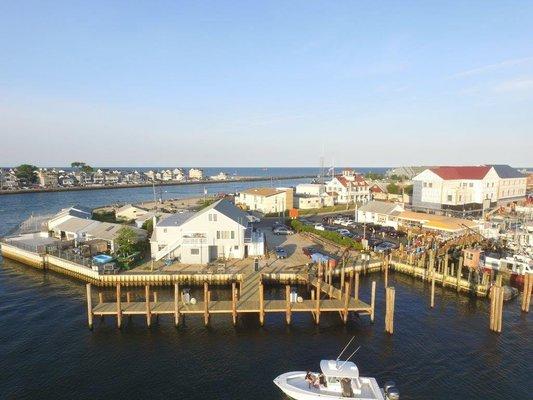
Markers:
point(342, 275)
point(100, 297)
point(318, 292)
point(89, 306)
point(261, 304)
point(389, 310)
point(496, 308)
point(356, 286)
point(386, 271)
point(288, 304)
point(526, 294)
point(432, 288)
point(373, 301)
point(234, 303)
point(459, 273)
point(445, 270)
point(148, 311)
point(128, 297)
point(346, 302)
point(176, 304)
point(119, 307)
point(206, 303)
point(155, 296)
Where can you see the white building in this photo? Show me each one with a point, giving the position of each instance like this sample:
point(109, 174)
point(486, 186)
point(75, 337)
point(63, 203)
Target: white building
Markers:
point(380, 213)
point(467, 188)
point(266, 200)
point(177, 174)
point(196, 173)
point(349, 188)
point(221, 176)
point(219, 231)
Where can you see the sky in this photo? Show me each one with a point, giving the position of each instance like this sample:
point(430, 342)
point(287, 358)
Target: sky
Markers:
point(249, 83)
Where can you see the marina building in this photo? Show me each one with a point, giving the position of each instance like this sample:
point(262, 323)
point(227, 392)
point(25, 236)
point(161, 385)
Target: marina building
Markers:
point(266, 200)
point(219, 231)
point(463, 188)
point(380, 213)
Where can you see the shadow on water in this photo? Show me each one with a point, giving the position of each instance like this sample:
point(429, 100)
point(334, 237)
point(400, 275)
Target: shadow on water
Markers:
point(48, 352)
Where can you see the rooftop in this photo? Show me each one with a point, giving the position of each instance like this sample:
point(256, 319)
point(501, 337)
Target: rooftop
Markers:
point(461, 172)
point(265, 192)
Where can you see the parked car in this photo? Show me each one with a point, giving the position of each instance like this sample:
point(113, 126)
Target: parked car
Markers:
point(282, 230)
point(346, 222)
point(253, 218)
point(280, 252)
point(384, 247)
point(344, 232)
point(319, 227)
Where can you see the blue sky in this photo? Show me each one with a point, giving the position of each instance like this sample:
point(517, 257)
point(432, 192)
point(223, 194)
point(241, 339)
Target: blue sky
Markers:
point(266, 83)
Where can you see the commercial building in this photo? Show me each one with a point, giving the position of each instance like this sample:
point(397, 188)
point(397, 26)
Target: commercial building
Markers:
point(220, 231)
point(380, 213)
point(266, 200)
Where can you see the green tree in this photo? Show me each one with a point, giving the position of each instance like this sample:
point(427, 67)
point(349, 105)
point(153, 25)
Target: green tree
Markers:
point(126, 241)
point(408, 190)
point(77, 164)
point(26, 173)
point(148, 225)
point(87, 169)
point(393, 188)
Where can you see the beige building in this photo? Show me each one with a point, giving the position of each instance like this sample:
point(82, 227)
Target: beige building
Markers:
point(266, 200)
point(196, 173)
point(47, 178)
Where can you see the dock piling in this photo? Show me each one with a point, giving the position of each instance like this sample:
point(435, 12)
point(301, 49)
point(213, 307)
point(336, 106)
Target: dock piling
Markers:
point(176, 305)
point(206, 303)
point(346, 302)
point(234, 302)
point(526, 294)
point(288, 305)
point(119, 307)
point(148, 311)
point(89, 306)
point(261, 304)
point(373, 301)
point(389, 310)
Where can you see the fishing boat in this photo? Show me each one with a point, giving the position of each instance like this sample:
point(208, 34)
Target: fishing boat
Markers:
point(337, 380)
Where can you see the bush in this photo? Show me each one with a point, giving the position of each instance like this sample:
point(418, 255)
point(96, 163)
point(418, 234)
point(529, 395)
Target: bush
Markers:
point(328, 235)
point(105, 216)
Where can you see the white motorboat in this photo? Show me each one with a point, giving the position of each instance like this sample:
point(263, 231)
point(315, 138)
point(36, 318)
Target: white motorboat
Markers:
point(337, 380)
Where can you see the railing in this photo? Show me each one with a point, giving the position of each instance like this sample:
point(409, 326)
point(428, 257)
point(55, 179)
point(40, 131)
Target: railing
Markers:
point(194, 240)
point(70, 256)
point(39, 249)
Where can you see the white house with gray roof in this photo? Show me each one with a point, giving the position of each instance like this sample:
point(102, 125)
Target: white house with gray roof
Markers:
point(220, 231)
point(380, 213)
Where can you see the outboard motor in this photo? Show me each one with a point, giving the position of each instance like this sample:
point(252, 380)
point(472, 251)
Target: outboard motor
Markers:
point(391, 391)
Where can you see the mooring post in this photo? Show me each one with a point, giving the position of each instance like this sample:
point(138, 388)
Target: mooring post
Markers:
point(288, 304)
point(356, 286)
point(234, 302)
point(432, 288)
point(445, 270)
point(89, 306)
point(526, 294)
point(318, 292)
point(148, 311)
point(346, 301)
point(176, 304)
point(373, 301)
point(261, 304)
point(128, 297)
point(459, 273)
point(386, 271)
point(119, 307)
point(100, 297)
point(206, 303)
point(389, 313)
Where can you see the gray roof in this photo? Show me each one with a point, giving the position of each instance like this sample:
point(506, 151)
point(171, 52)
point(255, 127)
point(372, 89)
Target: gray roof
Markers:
point(229, 209)
point(176, 219)
point(506, 172)
point(74, 224)
point(380, 207)
point(223, 206)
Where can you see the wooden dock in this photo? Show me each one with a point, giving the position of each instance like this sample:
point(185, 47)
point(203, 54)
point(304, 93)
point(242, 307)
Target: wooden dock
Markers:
point(247, 296)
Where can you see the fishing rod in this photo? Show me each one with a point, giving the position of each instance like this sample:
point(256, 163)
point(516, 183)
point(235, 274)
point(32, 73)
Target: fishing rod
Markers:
point(345, 347)
point(351, 355)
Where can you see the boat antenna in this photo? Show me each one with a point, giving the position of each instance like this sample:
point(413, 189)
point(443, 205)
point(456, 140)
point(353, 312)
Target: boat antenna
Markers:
point(351, 355)
point(345, 347)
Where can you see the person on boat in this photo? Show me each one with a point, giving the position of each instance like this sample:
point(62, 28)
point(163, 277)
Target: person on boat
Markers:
point(309, 378)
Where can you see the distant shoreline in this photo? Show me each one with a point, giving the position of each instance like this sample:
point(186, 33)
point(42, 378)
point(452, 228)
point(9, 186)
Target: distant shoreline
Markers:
point(139, 185)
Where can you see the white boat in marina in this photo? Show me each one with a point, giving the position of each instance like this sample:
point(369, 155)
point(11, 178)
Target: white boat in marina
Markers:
point(337, 380)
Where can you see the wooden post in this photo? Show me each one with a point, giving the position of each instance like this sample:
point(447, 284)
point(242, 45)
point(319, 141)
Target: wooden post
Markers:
point(526, 294)
point(389, 310)
point(500, 309)
point(318, 292)
point(373, 301)
point(496, 308)
point(155, 296)
point(89, 306)
point(342, 275)
point(176, 304)
point(445, 270)
point(234, 302)
point(261, 304)
point(433, 288)
point(148, 311)
point(356, 286)
point(386, 271)
point(459, 272)
point(288, 304)
point(346, 301)
point(119, 308)
point(206, 303)
point(100, 297)
point(128, 297)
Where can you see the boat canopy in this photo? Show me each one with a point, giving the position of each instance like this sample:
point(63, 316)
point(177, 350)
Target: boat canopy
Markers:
point(340, 369)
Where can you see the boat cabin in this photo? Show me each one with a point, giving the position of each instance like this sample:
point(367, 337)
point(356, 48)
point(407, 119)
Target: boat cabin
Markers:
point(341, 376)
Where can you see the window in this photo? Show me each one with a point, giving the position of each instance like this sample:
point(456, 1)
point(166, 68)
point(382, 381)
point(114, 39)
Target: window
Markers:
point(212, 217)
point(236, 247)
point(195, 252)
point(165, 230)
point(225, 234)
point(233, 234)
point(425, 184)
point(471, 184)
point(449, 197)
point(430, 184)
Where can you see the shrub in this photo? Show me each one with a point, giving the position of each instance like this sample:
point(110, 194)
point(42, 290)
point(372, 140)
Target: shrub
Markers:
point(328, 235)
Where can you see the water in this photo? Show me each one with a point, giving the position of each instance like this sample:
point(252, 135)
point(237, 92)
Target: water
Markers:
point(46, 351)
